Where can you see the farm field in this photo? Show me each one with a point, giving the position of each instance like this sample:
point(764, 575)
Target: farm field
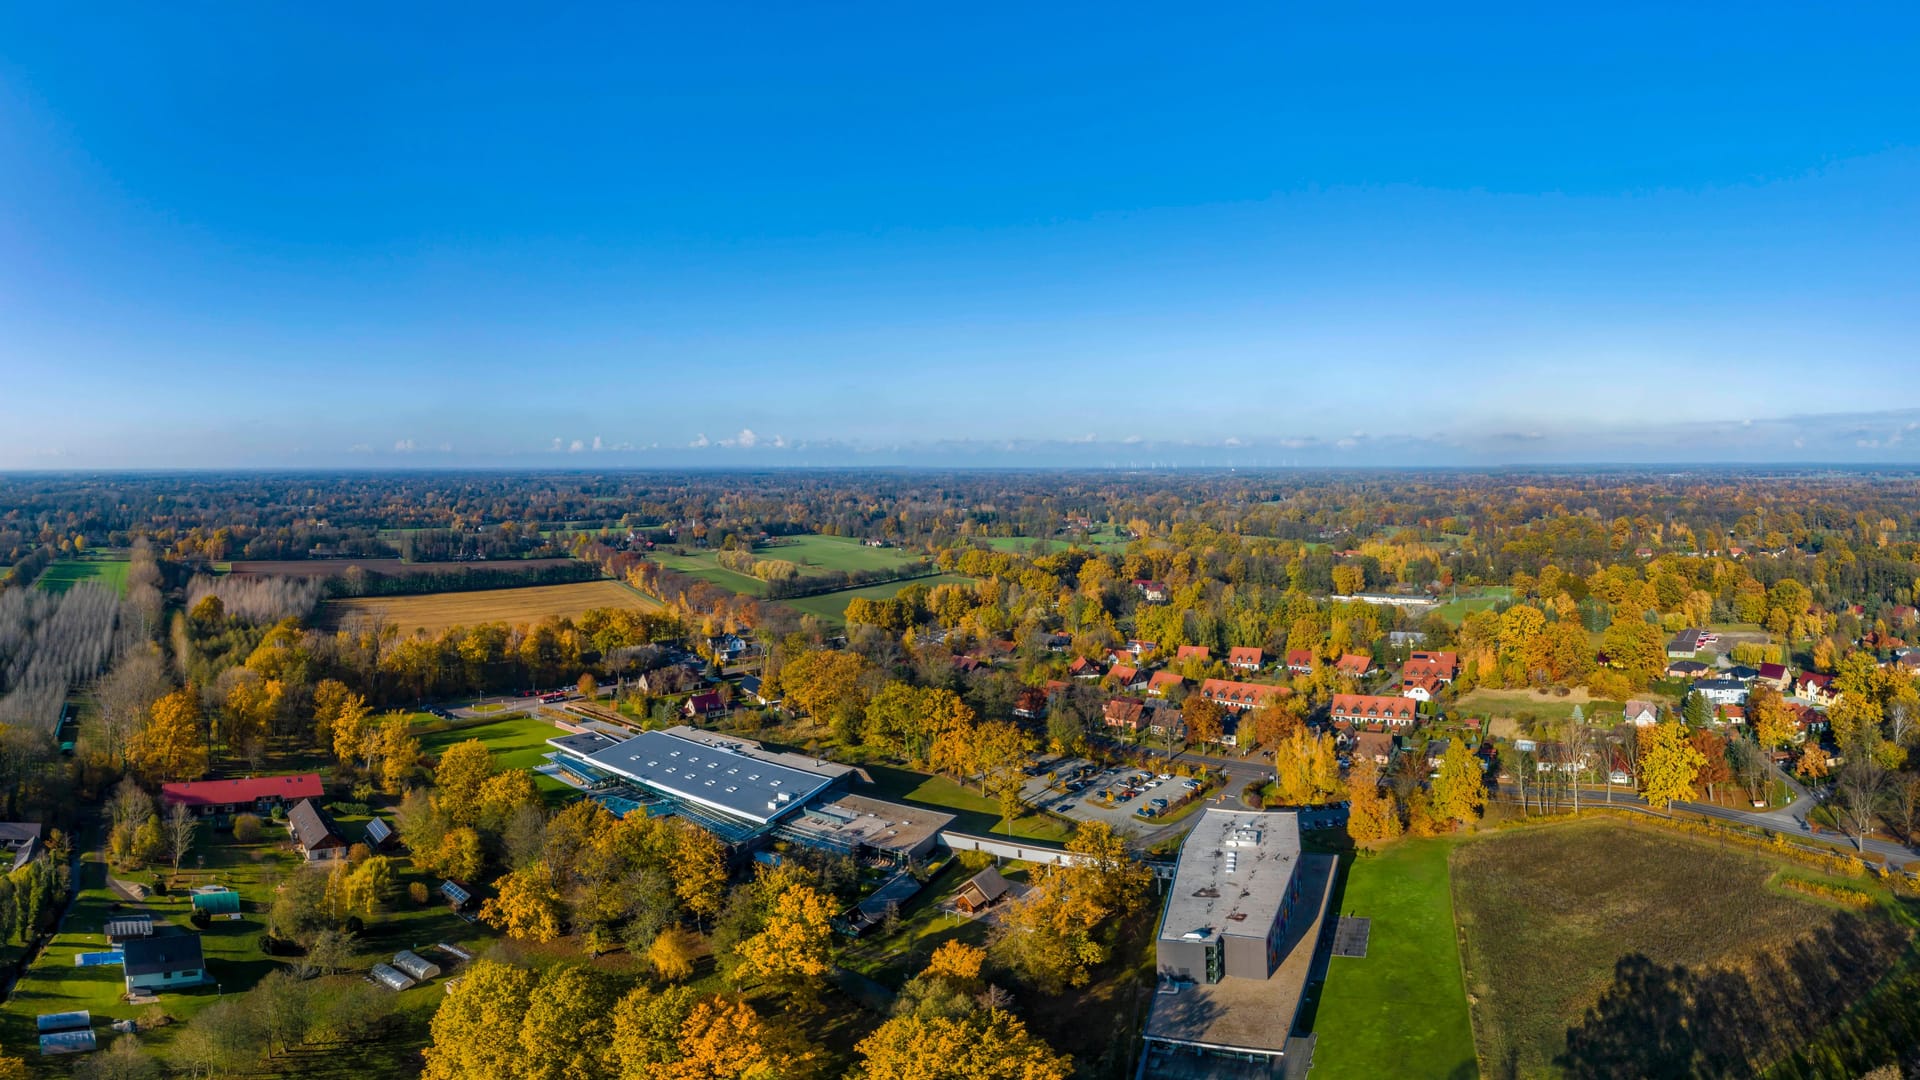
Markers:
point(1024, 544)
point(1588, 951)
point(813, 553)
point(832, 607)
point(64, 574)
point(434, 612)
point(326, 568)
point(1405, 1001)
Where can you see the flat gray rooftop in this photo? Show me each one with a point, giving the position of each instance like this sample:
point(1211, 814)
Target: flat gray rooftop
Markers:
point(1253, 1015)
point(733, 776)
point(1235, 869)
point(876, 823)
point(583, 744)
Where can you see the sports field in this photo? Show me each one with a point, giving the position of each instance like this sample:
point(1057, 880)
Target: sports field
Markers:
point(64, 574)
point(1404, 1003)
point(832, 607)
point(434, 612)
point(812, 553)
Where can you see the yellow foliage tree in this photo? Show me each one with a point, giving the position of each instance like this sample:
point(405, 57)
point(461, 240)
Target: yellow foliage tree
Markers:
point(1668, 764)
point(462, 770)
point(797, 941)
point(699, 867)
point(985, 1045)
point(476, 1032)
point(1371, 816)
point(1459, 791)
point(527, 905)
point(1306, 769)
point(171, 746)
point(956, 960)
point(672, 954)
point(724, 1039)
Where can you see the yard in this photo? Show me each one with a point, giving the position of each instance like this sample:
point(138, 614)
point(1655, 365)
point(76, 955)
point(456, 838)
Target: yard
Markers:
point(1486, 701)
point(232, 949)
point(1404, 1002)
point(1603, 948)
point(1469, 600)
point(64, 574)
point(516, 742)
point(831, 608)
point(433, 612)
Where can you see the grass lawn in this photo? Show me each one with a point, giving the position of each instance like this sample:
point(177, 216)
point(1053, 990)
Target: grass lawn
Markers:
point(1405, 1002)
point(813, 553)
point(1472, 600)
point(517, 743)
point(1547, 913)
point(64, 574)
point(973, 812)
point(831, 607)
point(1023, 545)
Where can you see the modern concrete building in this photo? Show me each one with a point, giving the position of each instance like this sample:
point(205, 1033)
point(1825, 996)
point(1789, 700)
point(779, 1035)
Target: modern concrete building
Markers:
point(1235, 947)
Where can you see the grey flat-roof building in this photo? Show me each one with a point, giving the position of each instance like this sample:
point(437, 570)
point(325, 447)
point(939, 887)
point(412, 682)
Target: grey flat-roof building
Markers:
point(1231, 894)
point(736, 777)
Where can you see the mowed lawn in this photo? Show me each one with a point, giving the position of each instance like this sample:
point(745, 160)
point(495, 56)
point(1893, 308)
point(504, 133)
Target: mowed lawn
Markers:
point(434, 612)
point(813, 553)
point(1486, 701)
point(519, 743)
point(831, 607)
point(1402, 1009)
point(1546, 913)
point(64, 574)
point(1472, 600)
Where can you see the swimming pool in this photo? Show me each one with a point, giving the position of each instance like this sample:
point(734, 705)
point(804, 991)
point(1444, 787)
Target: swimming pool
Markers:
point(98, 959)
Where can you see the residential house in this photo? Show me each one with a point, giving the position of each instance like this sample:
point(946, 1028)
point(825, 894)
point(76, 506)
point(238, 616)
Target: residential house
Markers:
point(1126, 677)
point(1437, 753)
point(1163, 683)
point(672, 679)
point(1055, 642)
point(1439, 666)
point(1153, 592)
point(1816, 688)
point(1083, 668)
point(1031, 704)
point(1721, 691)
point(1166, 721)
point(1688, 669)
point(1357, 665)
point(162, 962)
point(1420, 687)
point(314, 834)
point(1300, 661)
point(1234, 696)
point(706, 703)
point(1776, 676)
point(967, 665)
point(1377, 745)
point(756, 691)
point(255, 794)
point(1642, 713)
point(1684, 645)
point(1125, 714)
point(981, 891)
point(1900, 615)
point(1139, 648)
point(1194, 652)
point(19, 841)
point(1246, 659)
point(1371, 708)
point(1741, 673)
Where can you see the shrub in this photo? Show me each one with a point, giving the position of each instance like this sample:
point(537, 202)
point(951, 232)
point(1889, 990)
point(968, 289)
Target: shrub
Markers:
point(200, 918)
point(247, 828)
point(1839, 894)
point(357, 854)
point(418, 891)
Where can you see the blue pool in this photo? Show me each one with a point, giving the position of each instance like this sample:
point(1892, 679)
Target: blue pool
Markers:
point(97, 959)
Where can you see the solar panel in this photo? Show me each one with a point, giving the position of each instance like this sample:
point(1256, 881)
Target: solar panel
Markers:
point(1350, 937)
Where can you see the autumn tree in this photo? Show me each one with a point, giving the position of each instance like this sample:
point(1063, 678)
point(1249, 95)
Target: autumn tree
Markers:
point(672, 954)
point(1371, 816)
point(1203, 718)
point(526, 905)
point(1770, 717)
point(1636, 647)
point(476, 1032)
point(172, 745)
point(797, 942)
point(1668, 764)
point(567, 1030)
point(1714, 769)
point(823, 682)
point(1459, 789)
point(698, 863)
point(987, 1044)
point(1306, 769)
point(463, 768)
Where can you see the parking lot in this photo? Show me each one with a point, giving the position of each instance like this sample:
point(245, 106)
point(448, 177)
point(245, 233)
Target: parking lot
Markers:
point(1075, 792)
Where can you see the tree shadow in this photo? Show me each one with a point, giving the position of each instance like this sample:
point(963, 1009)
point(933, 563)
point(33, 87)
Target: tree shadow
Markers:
point(1658, 1021)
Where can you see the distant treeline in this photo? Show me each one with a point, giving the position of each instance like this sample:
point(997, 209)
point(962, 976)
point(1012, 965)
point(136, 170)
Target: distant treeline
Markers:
point(359, 581)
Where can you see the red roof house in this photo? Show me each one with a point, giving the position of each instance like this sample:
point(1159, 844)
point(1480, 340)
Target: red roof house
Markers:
point(1365, 708)
point(1164, 681)
point(1356, 664)
point(1246, 659)
point(1230, 694)
point(232, 796)
point(1193, 652)
point(1300, 661)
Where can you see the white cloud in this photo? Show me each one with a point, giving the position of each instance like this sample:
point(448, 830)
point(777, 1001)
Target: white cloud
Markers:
point(700, 441)
point(779, 442)
point(360, 448)
point(576, 446)
point(746, 438)
point(559, 444)
point(403, 446)
point(596, 443)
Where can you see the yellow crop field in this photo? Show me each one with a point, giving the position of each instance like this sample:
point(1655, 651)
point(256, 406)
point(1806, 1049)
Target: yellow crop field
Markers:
point(434, 612)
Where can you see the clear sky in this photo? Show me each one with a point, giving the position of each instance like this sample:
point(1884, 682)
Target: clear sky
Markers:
point(316, 235)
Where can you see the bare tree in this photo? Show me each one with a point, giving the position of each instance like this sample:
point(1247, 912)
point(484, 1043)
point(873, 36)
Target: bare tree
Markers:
point(1857, 795)
point(1579, 755)
point(181, 826)
point(1903, 804)
point(126, 693)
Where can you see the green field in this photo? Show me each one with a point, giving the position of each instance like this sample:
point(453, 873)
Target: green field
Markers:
point(516, 744)
point(973, 812)
point(813, 553)
point(1588, 951)
point(1024, 544)
point(1486, 701)
point(64, 574)
point(1404, 1004)
point(832, 607)
point(1473, 599)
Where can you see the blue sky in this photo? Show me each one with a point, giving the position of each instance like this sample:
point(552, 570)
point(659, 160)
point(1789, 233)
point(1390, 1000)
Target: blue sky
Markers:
point(267, 235)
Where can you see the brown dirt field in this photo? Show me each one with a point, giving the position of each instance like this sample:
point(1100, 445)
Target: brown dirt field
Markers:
point(322, 568)
point(434, 612)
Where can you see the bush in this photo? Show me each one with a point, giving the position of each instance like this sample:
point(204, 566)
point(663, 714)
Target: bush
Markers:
point(1839, 894)
point(200, 918)
point(247, 828)
point(353, 925)
point(347, 809)
point(418, 891)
